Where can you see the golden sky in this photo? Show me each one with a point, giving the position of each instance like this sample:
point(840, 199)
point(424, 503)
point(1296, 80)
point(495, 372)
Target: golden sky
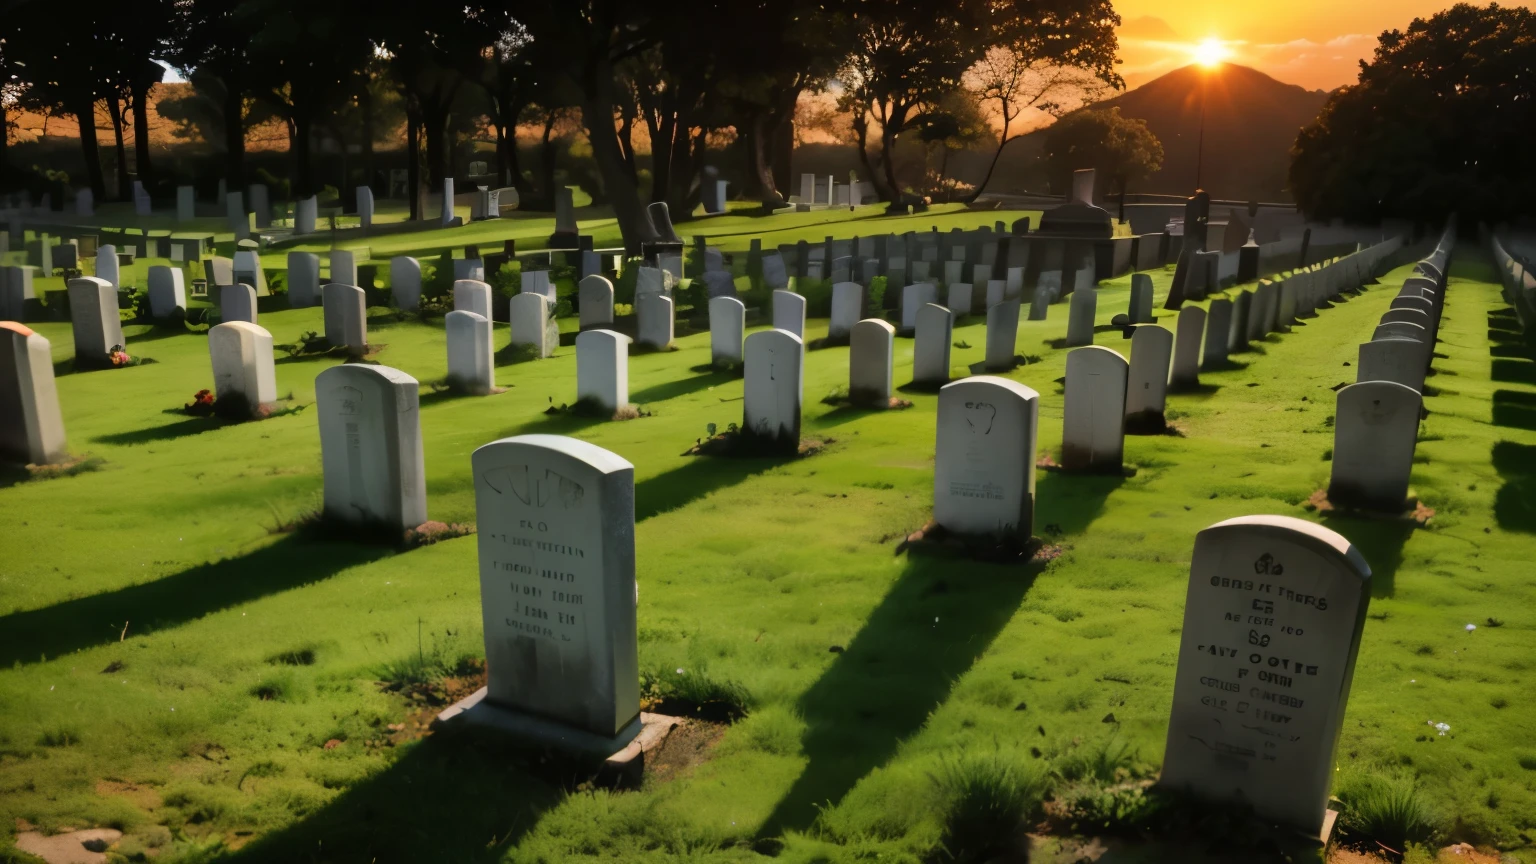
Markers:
point(1316, 44)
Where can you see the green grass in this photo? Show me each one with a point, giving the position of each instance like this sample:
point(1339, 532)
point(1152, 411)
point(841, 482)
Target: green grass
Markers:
point(161, 566)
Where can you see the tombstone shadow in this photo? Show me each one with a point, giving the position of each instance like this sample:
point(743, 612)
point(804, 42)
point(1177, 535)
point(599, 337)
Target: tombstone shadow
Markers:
point(1514, 505)
point(681, 387)
point(168, 432)
point(100, 619)
point(1514, 370)
point(847, 413)
point(448, 394)
point(1203, 390)
point(693, 480)
point(460, 795)
point(1224, 365)
point(936, 621)
point(163, 330)
point(1515, 409)
point(1067, 503)
point(1381, 541)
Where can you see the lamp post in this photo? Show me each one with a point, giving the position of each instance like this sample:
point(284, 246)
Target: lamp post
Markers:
point(1200, 148)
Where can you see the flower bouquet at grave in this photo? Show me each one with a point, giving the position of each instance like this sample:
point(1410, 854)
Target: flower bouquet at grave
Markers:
point(201, 404)
point(120, 358)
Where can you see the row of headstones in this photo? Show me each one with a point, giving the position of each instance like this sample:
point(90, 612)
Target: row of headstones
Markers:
point(1376, 419)
point(1519, 285)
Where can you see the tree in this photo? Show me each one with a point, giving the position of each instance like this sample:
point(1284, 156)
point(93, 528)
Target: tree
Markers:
point(1123, 150)
point(1439, 122)
point(212, 39)
point(61, 66)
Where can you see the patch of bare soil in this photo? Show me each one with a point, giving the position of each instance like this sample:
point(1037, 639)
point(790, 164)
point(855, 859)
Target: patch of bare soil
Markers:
point(688, 744)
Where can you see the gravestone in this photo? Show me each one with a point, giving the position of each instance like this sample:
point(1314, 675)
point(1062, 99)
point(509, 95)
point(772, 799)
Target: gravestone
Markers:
point(1375, 428)
point(652, 280)
point(365, 207)
point(566, 228)
point(261, 207)
point(773, 387)
point(1404, 361)
point(533, 324)
point(167, 293)
point(1186, 349)
point(1242, 308)
point(1080, 315)
point(474, 268)
point(241, 355)
point(1093, 414)
point(1272, 624)
point(106, 266)
point(1014, 285)
point(31, 426)
point(1140, 311)
point(470, 295)
point(238, 217)
point(370, 444)
point(15, 290)
point(594, 296)
point(913, 297)
point(775, 275)
point(984, 458)
point(537, 282)
point(220, 271)
point(247, 269)
point(727, 323)
point(237, 303)
point(346, 318)
point(1218, 327)
point(789, 312)
point(405, 282)
point(870, 359)
point(445, 216)
point(1002, 335)
point(1146, 391)
point(654, 320)
point(959, 300)
point(343, 267)
point(471, 354)
point(305, 213)
point(719, 283)
point(1411, 316)
point(847, 309)
point(94, 319)
point(602, 369)
point(1047, 290)
point(85, 203)
point(932, 339)
point(186, 204)
point(556, 539)
point(661, 220)
point(303, 279)
point(1401, 330)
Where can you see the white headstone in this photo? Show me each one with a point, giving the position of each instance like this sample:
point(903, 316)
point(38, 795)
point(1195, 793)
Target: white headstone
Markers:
point(984, 458)
point(602, 368)
point(186, 204)
point(31, 427)
point(241, 354)
point(93, 316)
point(727, 323)
point(1093, 414)
point(106, 265)
point(405, 282)
point(775, 375)
point(167, 292)
point(471, 355)
point(1375, 428)
point(1146, 391)
point(1002, 334)
point(594, 295)
point(247, 269)
point(960, 298)
point(1186, 350)
point(472, 268)
point(237, 303)
point(912, 299)
point(343, 267)
point(346, 317)
point(556, 535)
point(365, 206)
point(303, 279)
point(847, 308)
point(305, 212)
point(446, 217)
point(1272, 624)
point(370, 445)
point(654, 320)
point(470, 295)
point(1394, 359)
point(1080, 315)
point(870, 363)
point(789, 312)
point(931, 344)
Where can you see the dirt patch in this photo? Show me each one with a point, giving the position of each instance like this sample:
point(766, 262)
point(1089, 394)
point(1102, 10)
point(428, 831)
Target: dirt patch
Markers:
point(690, 743)
point(142, 797)
point(427, 701)
point(72, 847)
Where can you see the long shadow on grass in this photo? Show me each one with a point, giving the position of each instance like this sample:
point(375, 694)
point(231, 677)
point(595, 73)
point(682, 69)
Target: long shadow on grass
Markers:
point(681, 387)
point(1381, 542)
point(937, 620)
point(168, 432)
point(1515, 409)
point(693, 480)
point(1515, 504)
point(33, 636)
point(459, 796)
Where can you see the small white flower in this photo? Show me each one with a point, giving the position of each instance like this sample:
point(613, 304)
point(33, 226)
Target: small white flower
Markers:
point(1443, 727)
point(679, 670)
point(1471, 627)
point(1413, 680)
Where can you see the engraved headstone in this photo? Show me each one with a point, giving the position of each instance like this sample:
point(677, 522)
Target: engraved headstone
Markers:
point(471, 354)
point(984, 458)
point(930, 345)
point(241, 355)
point(346, 317)
point(1394, 359)
point(602, 369)
point(370, 445)
point(1146, 391)
point(1375, 429)
point(774, 373)
point(31, 427)
point(1093, 413)
point(594, 297)
point(727, 323)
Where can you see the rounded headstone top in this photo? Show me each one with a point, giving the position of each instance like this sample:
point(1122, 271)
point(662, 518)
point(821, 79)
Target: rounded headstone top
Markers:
point(1008, 384)
point(1300, 530)
point(1120, 320)
point(600, 459)
point(248, 244)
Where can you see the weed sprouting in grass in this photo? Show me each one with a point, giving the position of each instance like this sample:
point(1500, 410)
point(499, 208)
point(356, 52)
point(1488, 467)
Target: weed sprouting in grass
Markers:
point(1387, 808)
point(304, 656)
point(985, 801)
point(692, 692)
point(59, 736)
point(1108, 762)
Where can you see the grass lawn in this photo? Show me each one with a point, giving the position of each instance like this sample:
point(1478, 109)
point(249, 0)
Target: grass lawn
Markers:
point(171, 666)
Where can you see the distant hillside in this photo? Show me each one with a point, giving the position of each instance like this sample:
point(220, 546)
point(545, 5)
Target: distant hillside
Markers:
point(1251, 121)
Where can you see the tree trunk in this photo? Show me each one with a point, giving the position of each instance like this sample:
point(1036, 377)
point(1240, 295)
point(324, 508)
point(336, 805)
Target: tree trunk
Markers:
point(861, 141)
point(141, 160)
point(547, 150)
point(435, 119)
point(115, 111)
point(303, 173)
point(991, 166)
point(413, 157)
point(627, 143)
point(365, 97)
point(85, 115)
point(619, 184)
point(5, 147)
point(234, 134)
point(663, 154)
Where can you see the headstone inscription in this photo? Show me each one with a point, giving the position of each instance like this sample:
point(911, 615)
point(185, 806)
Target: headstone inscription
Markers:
point(984, 458)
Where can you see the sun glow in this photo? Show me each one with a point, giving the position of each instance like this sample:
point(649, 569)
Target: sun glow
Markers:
point(1211, 52)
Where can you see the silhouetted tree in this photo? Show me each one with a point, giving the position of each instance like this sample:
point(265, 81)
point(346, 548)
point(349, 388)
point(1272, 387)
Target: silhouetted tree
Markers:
point(1123, 150)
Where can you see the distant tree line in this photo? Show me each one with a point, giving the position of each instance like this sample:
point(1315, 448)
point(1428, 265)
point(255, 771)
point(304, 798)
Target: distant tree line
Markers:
point(684, 70)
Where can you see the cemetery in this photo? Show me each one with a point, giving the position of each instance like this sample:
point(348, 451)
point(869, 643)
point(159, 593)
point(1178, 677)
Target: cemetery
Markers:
point(434, 525)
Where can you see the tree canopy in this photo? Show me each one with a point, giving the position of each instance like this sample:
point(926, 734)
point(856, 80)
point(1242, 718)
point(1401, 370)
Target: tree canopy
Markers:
point(1120, 148)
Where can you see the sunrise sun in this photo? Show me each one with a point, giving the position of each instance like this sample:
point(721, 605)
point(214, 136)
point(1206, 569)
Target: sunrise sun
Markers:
point(1211, 52)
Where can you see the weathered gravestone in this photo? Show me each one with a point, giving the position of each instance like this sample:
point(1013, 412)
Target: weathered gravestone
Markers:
point(220, 271)
point(1401, 330)
point(847, 309)
point(984, 458)
point(655, 321)
point(1375, 428)
point(1237, 336)
point(1047, 289)
point(602, 369)
point(774, 373)
point(31, 427)
point(343, 267)
point(1218, 328)
point(1186, 350)
point(106, 265)
point(775, 275)
point(346, 318)
point(719, 283)
point(594, 297)
point(305, 212)
point(1093, 414)
point(167, 293)
point(303, 279)
point(870, 359)
point(237, 303)
point(931, 344)
point(247, 269)
point(1394, 359)
point(241, 356)
point(1146, 392)
point(405, 282)
point(959, 300)
point(1272, 624)
point(470, 295)
point(1140, 311)
point(533, 324)
point(789, 312)
point(1002, 335)
point(94, 319)
point(556, 519)
point(471, 354)
point(1080, 315)
point(913, 298)
point(370, 445)
point(727, 323)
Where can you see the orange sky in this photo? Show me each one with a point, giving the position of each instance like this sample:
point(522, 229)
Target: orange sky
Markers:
point(1314, 43)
